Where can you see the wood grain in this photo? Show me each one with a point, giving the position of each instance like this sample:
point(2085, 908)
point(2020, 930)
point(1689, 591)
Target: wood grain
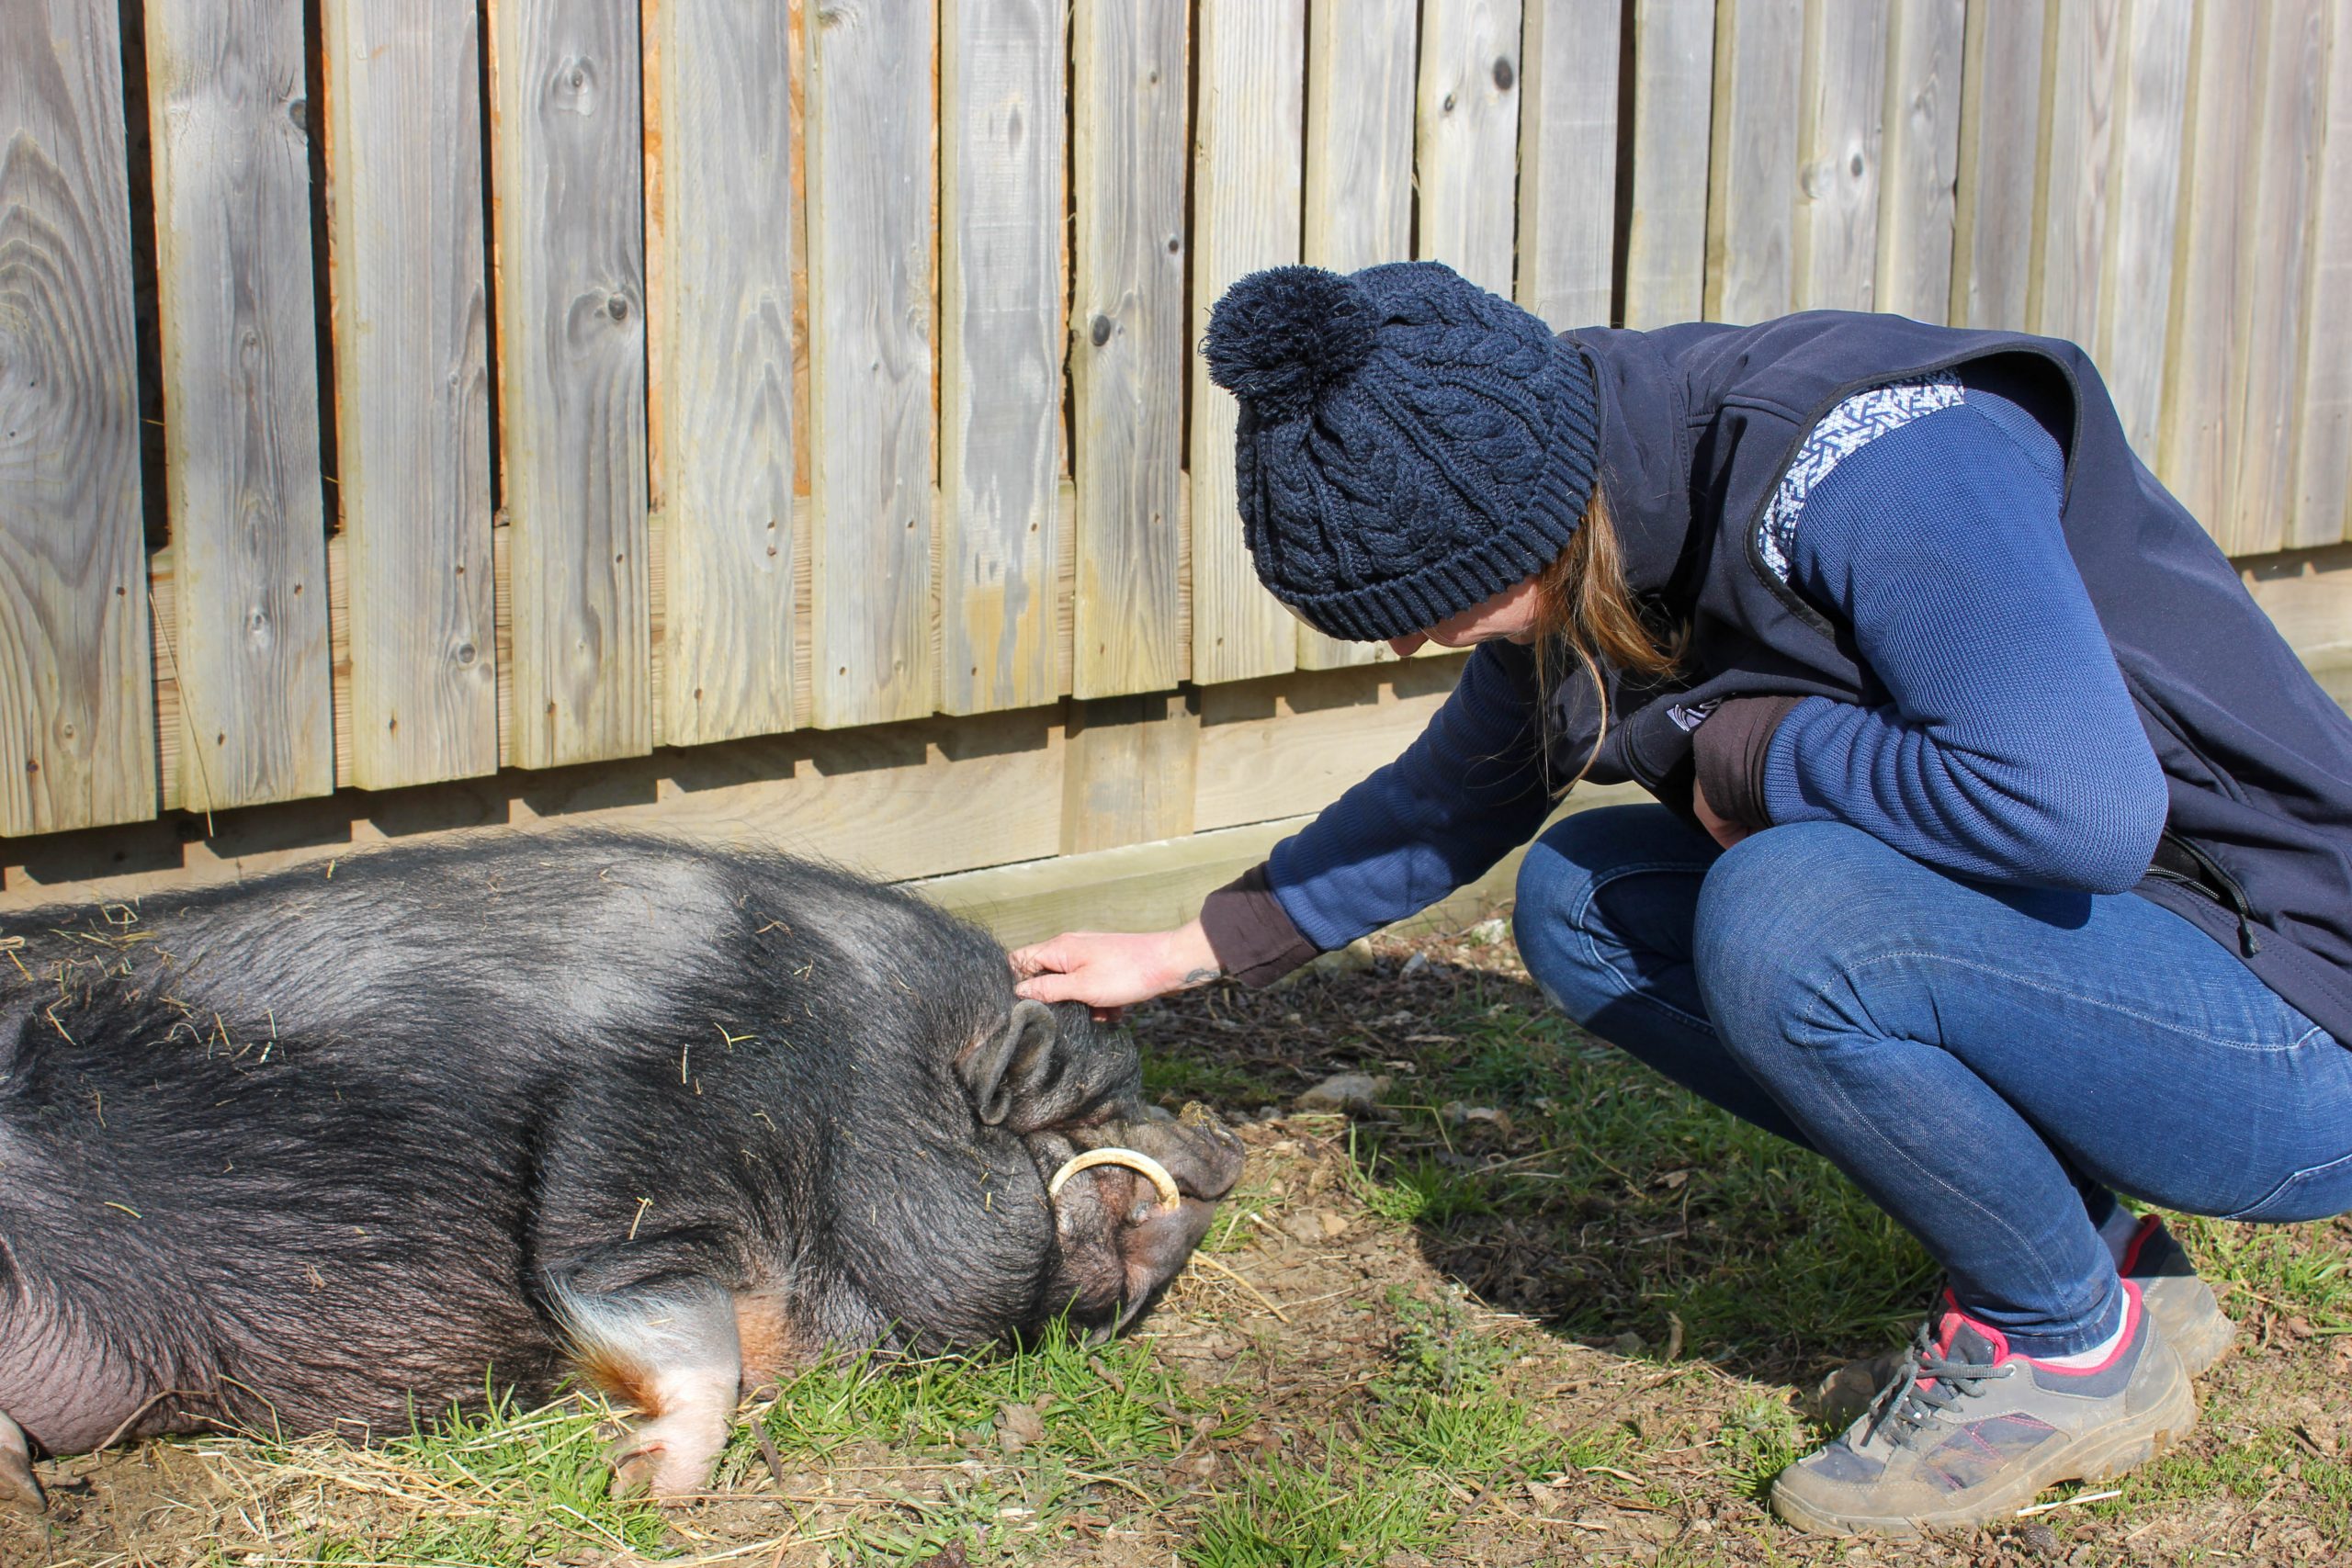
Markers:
point(412, 320)
point(1752, 169)
point(1128, 775)
point(1001, 399)
point(77, 740)
point(1665, 245)
point(870, 247)
point(2000, 136)
point(2322, 510)
point(2142, 226)
point(1276, 746)
point(1568, 160)
point(2077, 166)
point(2198, 451)
point(1131, 629)
point(1919, 169)
point(241, 385)
point(1468, 135)
point(1359, 211)
point(1834, 257)
point(567, 163)
point(1248, 169)
point(720, 247)
point(2285, 159)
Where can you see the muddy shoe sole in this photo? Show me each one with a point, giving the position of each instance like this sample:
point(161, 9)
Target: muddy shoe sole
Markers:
point(2094, 1457)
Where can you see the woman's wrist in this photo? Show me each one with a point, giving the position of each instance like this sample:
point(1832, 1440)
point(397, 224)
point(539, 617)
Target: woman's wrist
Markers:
point(1191, 961)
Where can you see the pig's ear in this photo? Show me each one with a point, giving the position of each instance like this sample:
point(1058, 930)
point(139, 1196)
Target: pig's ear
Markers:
point(995, 1071)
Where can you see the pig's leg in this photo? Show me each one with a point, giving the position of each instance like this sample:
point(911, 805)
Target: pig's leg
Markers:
point(18, 1489)
point(668, 1350)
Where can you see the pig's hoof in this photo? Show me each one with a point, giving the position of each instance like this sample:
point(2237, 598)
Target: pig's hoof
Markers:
point(19, 1491)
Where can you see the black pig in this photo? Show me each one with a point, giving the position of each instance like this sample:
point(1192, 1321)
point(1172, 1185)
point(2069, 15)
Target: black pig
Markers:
point(317, 1150)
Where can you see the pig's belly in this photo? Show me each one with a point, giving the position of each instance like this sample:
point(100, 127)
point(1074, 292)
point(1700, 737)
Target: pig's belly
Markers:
point(69, 1395)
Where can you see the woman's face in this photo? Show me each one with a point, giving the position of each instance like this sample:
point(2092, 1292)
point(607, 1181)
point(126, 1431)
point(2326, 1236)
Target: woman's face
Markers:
point(1509, 616)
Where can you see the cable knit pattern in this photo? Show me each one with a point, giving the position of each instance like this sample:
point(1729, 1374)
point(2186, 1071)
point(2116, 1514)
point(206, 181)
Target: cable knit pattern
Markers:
point(1409, 445)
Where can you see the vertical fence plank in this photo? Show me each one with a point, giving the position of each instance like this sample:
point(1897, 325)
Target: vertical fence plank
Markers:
point(1568, 160)
point(1666, 246)
point(2199, 428)
point(1001, 387)
point(2000, 134)
point(77, 721)
point(1468, 116)
point(869, 160)
point(567, 165)
point(1360, 71)
point(2285, 158)
point(411, 322)
point(241, 385)
point(1920, 165)
point(2077, 151)
point(1835, 253)
point(1752, 169)
point(2151, 99)
point(719, 249)
point(1127, 356)
point(2323, 461)
point(1251, 148)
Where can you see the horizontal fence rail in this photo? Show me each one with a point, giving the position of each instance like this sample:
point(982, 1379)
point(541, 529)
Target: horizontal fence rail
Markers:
point(546, 381)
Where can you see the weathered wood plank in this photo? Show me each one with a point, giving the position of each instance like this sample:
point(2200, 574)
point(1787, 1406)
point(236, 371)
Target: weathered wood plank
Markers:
point(1248, 170)
point(1666, 246)
point(1468, 119)
point(1834, 257)
point(1273, 748)
point(2201, 428)
point(1000, 389)
point(1360, 86)
point(2000, 138)
point(1128, 777)
point(232, 262)
point(870, 233)
point(2077, 156)
point(2323, 461)
point(1919, 167)
point(1752, 169)
point(720, 248)
point(2152, 101)
point(1127, 359)
point(1568, 160)
point(412, 314)
point(2285, 159)
point(77, 739)
point(567, 163)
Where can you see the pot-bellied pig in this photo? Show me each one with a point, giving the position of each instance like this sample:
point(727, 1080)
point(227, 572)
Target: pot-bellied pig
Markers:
point(346, 1143)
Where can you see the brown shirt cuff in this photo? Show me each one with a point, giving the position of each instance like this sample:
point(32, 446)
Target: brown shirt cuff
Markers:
point(1730, 749)
point(1252, 933)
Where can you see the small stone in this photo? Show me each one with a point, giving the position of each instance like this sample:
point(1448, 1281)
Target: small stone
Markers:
point(2042, 1538)
point(1350, 1094)
point(1487, 932)
point(1627, 1344)
point(1414, 965)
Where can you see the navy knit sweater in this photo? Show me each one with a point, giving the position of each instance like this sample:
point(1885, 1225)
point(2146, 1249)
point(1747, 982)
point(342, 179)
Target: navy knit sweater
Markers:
point(1938, 543)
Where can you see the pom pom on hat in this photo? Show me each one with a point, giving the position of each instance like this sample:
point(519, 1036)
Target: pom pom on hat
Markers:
point(1278, 338)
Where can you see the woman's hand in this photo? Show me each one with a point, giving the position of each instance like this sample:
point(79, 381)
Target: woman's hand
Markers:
point(1112, 970)
point(1724, 832)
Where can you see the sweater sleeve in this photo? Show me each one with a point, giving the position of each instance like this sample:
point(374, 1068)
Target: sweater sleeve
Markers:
point(1467, 791)
point(2008, 750)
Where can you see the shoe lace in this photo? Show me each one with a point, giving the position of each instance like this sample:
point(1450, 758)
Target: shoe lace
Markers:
point(1927, 1385)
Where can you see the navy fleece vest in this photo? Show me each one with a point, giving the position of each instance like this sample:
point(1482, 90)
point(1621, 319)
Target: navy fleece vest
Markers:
point(1700, 423)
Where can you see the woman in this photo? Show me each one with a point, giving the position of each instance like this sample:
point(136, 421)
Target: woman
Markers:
point(2002, 852)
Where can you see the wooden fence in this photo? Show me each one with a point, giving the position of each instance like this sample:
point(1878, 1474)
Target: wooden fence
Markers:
point(541, 382)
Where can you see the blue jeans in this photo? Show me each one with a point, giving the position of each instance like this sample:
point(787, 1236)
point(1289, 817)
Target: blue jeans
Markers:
point(1986, 1062)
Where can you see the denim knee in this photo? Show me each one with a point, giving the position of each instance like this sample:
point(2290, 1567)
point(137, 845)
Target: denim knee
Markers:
point(1564, 936)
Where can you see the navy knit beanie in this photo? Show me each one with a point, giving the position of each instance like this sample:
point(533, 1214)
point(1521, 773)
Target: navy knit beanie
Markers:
point(1410, 445)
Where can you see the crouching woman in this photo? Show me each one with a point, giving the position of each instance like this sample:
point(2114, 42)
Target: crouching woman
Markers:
point(2003, 851)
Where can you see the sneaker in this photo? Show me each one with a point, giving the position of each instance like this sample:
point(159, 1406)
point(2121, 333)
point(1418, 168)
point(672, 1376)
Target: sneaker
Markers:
point(1968, 1431)
point(2180, 1303)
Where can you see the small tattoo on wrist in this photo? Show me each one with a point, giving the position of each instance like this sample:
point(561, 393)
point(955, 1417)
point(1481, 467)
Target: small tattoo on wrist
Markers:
point(1199, 977)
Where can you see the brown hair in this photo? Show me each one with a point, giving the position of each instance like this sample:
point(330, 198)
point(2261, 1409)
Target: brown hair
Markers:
point(1585, 611)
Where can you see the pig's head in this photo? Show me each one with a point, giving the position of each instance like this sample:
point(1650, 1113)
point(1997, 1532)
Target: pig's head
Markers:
point(1050, 1187)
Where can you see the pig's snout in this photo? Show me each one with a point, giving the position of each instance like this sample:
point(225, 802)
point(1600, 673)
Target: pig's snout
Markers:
point(1194, 1151)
